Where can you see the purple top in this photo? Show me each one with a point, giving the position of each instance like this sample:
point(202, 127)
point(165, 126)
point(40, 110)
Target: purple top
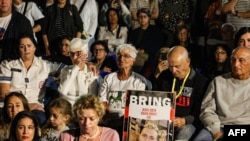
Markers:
point(107, 134)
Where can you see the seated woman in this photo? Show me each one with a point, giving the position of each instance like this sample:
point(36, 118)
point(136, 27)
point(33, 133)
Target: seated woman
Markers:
point(242, 37)
point(64, 55)
point(113, 89)
point(14, 103)
point(104, 62)
point(161, 64)
point(76, 79)
point(220, 61)
point(120, 5)
point(24, 127)
point(88, 111)
point(27, 74)
point(114, 33)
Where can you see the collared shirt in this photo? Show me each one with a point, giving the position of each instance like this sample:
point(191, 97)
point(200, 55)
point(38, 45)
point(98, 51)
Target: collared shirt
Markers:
point(29, 82)
point(113, 41)
point(75, 82)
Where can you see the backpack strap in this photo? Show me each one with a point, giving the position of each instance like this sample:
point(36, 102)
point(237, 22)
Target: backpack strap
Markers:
point(25, 7)
point(81, 8)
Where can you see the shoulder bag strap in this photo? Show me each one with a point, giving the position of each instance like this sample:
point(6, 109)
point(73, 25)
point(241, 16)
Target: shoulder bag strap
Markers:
point(25, 8)
point(84, 2)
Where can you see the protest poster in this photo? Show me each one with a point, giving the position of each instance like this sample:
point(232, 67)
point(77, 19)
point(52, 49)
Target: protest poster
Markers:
point(149, 114)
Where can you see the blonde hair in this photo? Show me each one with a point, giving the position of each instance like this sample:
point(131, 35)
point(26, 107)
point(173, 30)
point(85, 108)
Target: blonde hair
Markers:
point(151, 125)
point(88, 102)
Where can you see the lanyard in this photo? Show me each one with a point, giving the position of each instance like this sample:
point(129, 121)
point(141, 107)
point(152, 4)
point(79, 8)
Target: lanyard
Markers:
point(182, 85)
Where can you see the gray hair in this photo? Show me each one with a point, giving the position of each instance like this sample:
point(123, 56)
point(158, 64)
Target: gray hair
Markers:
point(130, 47)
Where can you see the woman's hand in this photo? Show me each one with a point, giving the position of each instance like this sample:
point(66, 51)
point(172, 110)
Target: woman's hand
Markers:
point(81, 59)
point(106, 69)
point(162, 65)
point(92, 67)
point(115, 4)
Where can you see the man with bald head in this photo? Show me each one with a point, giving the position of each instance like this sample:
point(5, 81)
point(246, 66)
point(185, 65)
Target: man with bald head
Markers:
point(227, 99)
point(189, 86)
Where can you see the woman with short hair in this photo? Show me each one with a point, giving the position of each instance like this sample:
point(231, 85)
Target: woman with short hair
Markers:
point(88, 111)
point(113, 89)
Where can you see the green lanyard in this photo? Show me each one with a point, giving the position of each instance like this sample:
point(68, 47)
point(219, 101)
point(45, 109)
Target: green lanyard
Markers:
point(182, 85)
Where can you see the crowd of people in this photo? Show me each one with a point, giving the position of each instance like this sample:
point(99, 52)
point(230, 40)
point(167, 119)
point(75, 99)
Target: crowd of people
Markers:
point(65, 66)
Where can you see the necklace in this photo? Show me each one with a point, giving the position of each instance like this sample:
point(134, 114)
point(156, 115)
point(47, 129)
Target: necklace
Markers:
point(91, 137)
point(182, 85)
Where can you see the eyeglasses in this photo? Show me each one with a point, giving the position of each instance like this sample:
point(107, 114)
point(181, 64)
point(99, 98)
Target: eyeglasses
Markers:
point(126, 56)
point(220, 52)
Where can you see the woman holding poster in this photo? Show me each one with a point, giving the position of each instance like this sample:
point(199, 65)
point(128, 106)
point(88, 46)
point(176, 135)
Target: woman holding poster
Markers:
point(113, 89)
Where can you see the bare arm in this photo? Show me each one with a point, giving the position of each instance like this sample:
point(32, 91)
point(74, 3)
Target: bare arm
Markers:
point(4, 89)
point(36, 28)
point(46, 44)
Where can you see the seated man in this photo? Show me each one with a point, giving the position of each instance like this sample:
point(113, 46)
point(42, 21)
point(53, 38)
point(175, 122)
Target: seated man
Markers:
point(227, 100)
point(189, 86)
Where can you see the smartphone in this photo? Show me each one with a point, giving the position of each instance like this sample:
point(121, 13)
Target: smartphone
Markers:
point(163, 56)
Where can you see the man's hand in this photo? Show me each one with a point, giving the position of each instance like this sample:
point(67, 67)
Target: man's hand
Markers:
point(217, 136)
point(179, 121)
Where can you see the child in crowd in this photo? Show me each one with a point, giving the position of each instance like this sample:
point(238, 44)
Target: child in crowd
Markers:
point(60, 115)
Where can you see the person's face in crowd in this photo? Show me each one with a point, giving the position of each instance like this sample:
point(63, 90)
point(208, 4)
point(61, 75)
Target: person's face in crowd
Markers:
point(124, 59)
point(183, 35)
point(25, 129)
point(148, 134)
point(99, 52)
point(14, 106)
point(143, 19)
point(78, 56)
point(240, 62)
point(113, 17)
point(62, 1)
point(220, 55)
point(244, 40)
point(27, 49)
point(5, 7)
point(65, 47)
point(179, 66)
point(227, 33)
point(88, 121)
point(57, 119)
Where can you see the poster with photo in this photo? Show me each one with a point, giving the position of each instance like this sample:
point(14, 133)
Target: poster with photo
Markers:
point(149, 114)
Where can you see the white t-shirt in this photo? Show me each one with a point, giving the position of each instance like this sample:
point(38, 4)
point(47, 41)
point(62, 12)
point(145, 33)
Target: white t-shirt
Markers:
point(4, 23)
point(113, 90)
point(33, 13)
